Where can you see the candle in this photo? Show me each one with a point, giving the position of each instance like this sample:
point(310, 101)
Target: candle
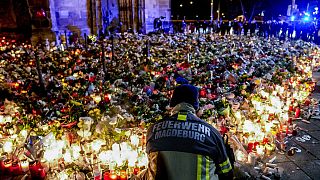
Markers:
point(62, 48)
point(203, 93)
point(269, 148)
point(24, 165)
point(96, 145)
point(297, 114)
point(2, 119)
point(96, 98)
point(8, 147)
point(250, 147)
point(240, 156)
point(63, 175)
point(15, 169)
point(260, 150)
point(113, 175)
point(67, 157)
point(105, 156)
point(252, 158)
point(5, 166)
point(116, 147)
point(134, 140)
point(107, 98)
point(136, 171)
point(97, 172)
point(123, 175)
point(37, 171)
point(106, 176)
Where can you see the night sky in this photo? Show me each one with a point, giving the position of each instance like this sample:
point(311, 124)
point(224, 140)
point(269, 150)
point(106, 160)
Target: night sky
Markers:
point(232, 8)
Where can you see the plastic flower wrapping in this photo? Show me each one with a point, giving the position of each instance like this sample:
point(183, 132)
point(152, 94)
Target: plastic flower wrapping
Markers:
point(91, 123)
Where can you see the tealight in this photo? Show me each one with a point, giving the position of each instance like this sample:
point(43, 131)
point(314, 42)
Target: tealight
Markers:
point(8, 147)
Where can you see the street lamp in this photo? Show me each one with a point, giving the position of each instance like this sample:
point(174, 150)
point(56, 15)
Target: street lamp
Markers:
point(211, 10)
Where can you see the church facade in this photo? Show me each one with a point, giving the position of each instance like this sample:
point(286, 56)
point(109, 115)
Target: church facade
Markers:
point(53, 18)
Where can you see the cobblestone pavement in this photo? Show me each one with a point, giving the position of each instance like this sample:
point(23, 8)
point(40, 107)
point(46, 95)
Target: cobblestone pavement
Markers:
point(305, 164)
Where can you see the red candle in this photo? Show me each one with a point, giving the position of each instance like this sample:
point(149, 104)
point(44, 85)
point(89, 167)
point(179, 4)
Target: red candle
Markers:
point(5, 166)
point(290, 108)
point(106, 176)
point(214, 96)
point(250, 147)
point(15, 169)
point(110, 175)
point(136, 171)
point(106, 98)
point(307, 102)
point(256, 144)
point(113, 177)
point(123, 175)
point(265, 140)
point(37, 171)
point(284, 128)
point(297, 114)
point(203, 93)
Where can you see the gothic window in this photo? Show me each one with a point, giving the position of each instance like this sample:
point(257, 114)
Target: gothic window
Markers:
point(131, 14)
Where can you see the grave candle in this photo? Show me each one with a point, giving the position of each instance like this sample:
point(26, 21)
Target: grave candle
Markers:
point(24, 164)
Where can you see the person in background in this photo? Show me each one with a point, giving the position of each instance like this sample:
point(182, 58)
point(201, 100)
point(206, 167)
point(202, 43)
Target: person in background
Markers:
point(183, 26)
point(204, 26)
point(253, 27)
point(245, 28)
point(183, 146)
point(198, 26)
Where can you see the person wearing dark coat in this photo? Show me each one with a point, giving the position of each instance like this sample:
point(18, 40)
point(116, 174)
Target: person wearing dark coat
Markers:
point(183, 146)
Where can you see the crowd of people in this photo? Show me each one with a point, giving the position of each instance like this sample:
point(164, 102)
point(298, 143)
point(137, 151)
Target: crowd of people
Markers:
point(132, 85)
point(305, 30)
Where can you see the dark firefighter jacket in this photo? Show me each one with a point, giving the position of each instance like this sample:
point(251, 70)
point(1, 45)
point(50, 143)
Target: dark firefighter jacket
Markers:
point(184, 147)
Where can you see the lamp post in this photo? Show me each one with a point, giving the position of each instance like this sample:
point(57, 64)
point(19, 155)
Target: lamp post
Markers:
point(103, 59)
point(91, 16)
point(219, 10)
point(211, 13)
point(39, 70)
point(112, 47)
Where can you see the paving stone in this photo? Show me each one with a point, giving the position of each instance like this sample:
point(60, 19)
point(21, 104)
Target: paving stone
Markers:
point(304, 155)
point(312, 168)
point(309, 127)
point(315, 134)
point(315, 122)
point(291, 172)
point(312, 147)
point(279, 158)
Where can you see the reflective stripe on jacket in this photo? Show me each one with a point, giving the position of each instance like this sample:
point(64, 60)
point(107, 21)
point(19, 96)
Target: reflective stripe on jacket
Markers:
point(173, 165)
point(183, 146)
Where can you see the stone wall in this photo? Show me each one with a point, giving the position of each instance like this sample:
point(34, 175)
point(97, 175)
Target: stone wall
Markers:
point(7, 15)
point(71, 15)
point(75, 15)
point(110, 10)
point(155, 9)
point(90, 16)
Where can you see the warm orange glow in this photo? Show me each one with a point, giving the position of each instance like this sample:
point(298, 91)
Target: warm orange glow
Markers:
point(113, 176)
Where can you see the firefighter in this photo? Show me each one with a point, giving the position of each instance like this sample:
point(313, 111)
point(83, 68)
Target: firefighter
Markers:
point(182, 146)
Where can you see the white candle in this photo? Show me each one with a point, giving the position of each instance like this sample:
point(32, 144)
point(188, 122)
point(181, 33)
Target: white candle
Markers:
point(134, 140)
point(260, 150)
point(24, 165)
point(62, 48)
point(2, 120)
point(8, 147)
